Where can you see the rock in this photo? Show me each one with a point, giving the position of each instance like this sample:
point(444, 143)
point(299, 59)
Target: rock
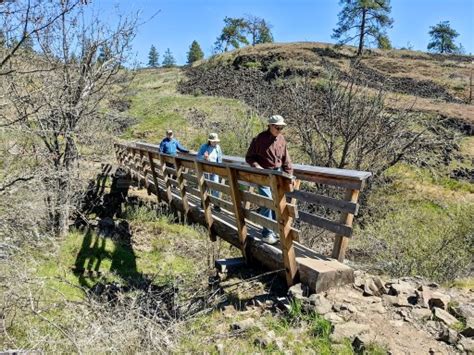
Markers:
point(220, 348)
point(464, 310)
point(444, 316)
point(243, 325)
point(421, 313)
point(402, 287)
point(377, 308)
point(333, 318)
point(396, 301)
point(439, 300)
point(266, 340)
point(467, 344)
point(373, 287)
point(298, 292)
point(468, 331)
point(448, 335)
point(348, 330)
point(320, 303)
point(361, 341)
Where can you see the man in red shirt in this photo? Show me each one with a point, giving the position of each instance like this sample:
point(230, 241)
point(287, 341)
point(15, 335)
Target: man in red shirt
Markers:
point(269, 151)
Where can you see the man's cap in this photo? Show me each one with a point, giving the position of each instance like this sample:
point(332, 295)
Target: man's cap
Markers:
point(276, 120)
point(213, 137)
point(169, 131)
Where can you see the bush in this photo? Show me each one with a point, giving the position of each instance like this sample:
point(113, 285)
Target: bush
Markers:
point(427, 240)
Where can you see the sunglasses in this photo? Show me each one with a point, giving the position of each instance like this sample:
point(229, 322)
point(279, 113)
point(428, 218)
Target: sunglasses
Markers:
point(278, 128)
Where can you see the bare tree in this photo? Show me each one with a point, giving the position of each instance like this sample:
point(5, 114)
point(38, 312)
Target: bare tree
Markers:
point(56, 96)
point(345, 125)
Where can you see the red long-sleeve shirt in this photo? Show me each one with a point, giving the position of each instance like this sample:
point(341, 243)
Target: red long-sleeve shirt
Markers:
point(269, 152)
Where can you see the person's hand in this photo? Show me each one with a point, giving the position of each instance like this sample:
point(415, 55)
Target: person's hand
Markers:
point(206, 155)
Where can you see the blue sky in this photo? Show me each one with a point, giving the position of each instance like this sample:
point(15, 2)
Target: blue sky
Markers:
point(179, 22)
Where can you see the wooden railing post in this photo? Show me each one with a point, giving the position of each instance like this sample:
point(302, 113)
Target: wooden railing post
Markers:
point(238, 211)
point(144, 169)
point(341, 242)
point(205, 199)
point(280, 186)
point(182, 187)
point(166, 178)
point(153, 174)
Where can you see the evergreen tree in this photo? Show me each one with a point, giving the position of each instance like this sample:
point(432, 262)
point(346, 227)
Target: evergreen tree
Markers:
point(233, 34)
point(168, 59)
point(383, 42)
point(153, 57)
point(359, 19)
point(442, 38)
point(258, 29)
point(195, 52)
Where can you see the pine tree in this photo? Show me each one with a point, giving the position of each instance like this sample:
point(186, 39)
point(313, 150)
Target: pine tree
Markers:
point(168, 59)
point(258, 29)
point(153, 57)
point(195, 52)
point(264, 33)
point(359, 19)
point(233, 34)
point(442, 38)
point(383, 42)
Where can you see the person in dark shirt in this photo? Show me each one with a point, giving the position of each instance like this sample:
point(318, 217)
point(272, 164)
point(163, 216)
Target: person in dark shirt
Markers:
point(269, 150)
point(170, 145)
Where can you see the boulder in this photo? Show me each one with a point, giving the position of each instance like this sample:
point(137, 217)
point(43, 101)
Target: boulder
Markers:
point(448, 335)
point(401, 287)
point(243, 325)
point(467, 345)
point(396, 301)
point(360, 342)
point(444, 316)
point(464, 311)
point(348, 330)
point(429, 298)
point(298, 292)
point(333, 318)
point(373, 286)
point(421, 313)
point(320, 303)
point(468, 331)
point(265, 340)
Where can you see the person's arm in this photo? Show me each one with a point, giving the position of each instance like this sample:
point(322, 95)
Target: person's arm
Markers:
point(250, 157)
point(286, 162)
point(181, 148)
point(162, 146)
point(201, 151)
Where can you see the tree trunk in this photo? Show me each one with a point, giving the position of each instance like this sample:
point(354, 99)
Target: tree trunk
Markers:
point(362, 32)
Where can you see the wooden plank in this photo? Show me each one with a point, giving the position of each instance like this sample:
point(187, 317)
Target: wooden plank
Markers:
point(259, 200)
point(170, 171)
point(329, 202)
point(263, 180)
point(166, 179)
point(221, 203)
point(238, 211)
point(213, 168)
point(261, 221)
point(190, 177)
point(250, 192)
point(144, 169)
point(187, 163)
point(280, 186)
point(333, 181)
point(204, 198)
point(194, 192)
point(325, 223)
point(153, 174)
point(341, 242)
point(218, 187)
point(167, 158)
point(181, 186)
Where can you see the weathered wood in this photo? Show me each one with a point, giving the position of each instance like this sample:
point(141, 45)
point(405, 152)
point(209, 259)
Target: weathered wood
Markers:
point(329, 202)
point(318, 221)
point(341, 241)
point(190, 177)
point(217, 186)
point(318, 272)
point(333, 181)
point(238, 211)
point(153, 174)
point(213, 168)
point(250, 192)
point(170, 171)
point(166, 178)
point(259, 200)
point(280, 186)
point(187, 163)
point(221, 203)
point(144, 167)
point(181, 186)
point(261, 220)
point(263, 180)
point(204, 199)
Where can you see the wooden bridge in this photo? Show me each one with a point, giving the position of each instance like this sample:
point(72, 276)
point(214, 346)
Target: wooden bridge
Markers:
point(180, 182)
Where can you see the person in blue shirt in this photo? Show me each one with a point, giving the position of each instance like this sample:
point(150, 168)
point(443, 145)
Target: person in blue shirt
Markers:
point(211, 151)
point(170, 145)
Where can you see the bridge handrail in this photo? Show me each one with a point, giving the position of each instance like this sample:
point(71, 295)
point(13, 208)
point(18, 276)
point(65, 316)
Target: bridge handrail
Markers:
point(144, 159)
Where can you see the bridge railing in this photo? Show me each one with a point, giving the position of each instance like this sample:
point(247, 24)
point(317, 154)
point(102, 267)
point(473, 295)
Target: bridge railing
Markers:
point(187, 178)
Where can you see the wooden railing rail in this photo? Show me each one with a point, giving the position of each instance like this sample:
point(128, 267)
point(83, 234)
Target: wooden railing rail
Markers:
point(186, 177)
